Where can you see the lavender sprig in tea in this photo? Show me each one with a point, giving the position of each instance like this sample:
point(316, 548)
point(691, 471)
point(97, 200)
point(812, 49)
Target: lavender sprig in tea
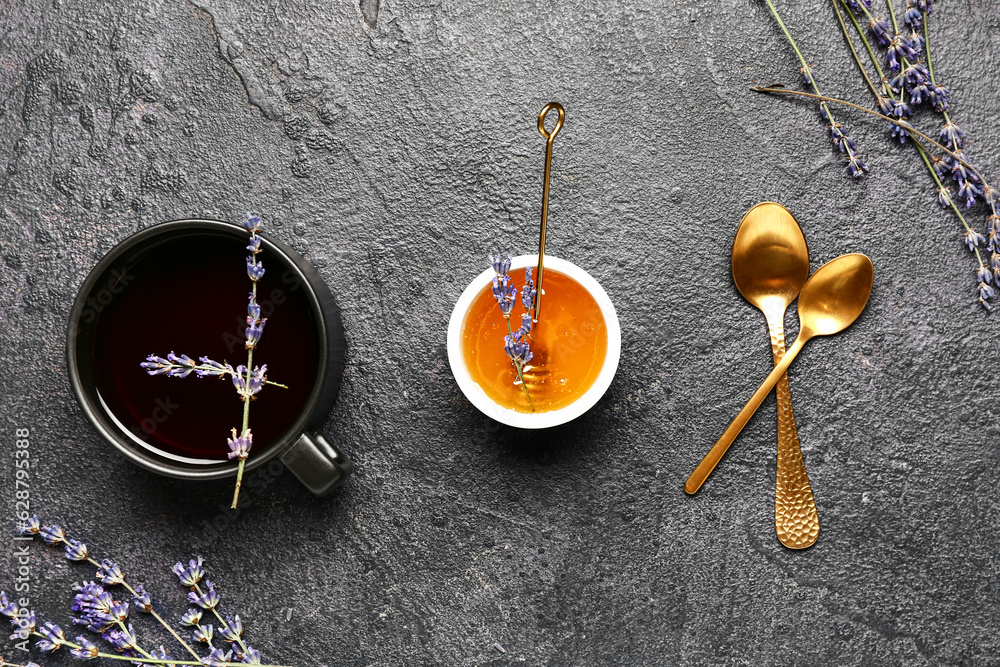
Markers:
point(247, 379)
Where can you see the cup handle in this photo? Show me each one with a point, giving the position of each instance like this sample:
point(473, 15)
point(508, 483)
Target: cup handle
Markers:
point(317, 463)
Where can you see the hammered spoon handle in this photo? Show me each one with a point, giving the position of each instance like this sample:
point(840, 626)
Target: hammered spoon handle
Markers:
point(795, 518)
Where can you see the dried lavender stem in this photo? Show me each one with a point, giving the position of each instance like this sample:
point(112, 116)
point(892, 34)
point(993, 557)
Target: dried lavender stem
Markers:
point(868, 47)
point(154, 614)
point(154, 661)
point(215, 611)
point(903, 124)
point(958, 212)
point(246, 408)
point(850, 45)
point(930, 65)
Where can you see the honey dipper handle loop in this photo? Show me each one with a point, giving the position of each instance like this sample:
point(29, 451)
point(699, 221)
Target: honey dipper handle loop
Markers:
point(559, 123)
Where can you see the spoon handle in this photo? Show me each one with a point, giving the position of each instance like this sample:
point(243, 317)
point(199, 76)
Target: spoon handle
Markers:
point(795, 518)
point(711, 459)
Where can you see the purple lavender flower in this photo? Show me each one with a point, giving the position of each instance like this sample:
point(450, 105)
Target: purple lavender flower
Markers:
point(52, 637)
point(500, 263)
point(912, 17)
point(215, 368)
point(917, 43)
point(968, 189)
point(939, 96)
point(253, 223)
point(204, 634)
point(121, 640)
point(251, 656)
point(525, 324)
point(25, 625)
point(504, 293)
point(519, 351)
point(142, 600)
point(255, 327)
point(952, 136)
point(902, 109)
point(841, 139)
point(855, 165)
point(973, 239)
point(207, 600)
point(255, 270)
point(983, 274)
point(240, 447)
point(918, 93)
point(87, 651)
point(807, 75)
point(985, 292)
point(190, 575)
point(899, 49)
point(995, 265)
point(31, 526)
point(528, 292)
point(881, 30)
point(52, 535)
point(192, 617)
point(232, 630)
point(923, 5)
point(901, 131)
point(109, 573)
point(7, 607)
point(944, 196)
point(155, 365)
point(254, 246)
point(182, 365)
point(257, 379)
point(856, 5)
point(915, 73)
point(76, 550)
point(218, 658)
point(161, 654)
point(240, 380)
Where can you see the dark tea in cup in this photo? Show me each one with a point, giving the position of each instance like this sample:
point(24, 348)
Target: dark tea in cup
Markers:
point(182, 287)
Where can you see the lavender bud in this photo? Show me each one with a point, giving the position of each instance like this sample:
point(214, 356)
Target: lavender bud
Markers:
point(87, 651)
point(255, 270)
point(973, 239)
point(240, 447)
point(190, 575)
point(76, 550)
point(192, 617)
point(52, 535)
point(253, 223)
point(33, 526)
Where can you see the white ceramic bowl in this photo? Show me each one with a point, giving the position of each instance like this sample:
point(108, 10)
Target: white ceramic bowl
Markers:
point(488, 406)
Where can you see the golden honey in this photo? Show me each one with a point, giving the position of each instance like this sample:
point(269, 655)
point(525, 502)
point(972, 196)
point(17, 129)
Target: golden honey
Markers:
point(569, 344)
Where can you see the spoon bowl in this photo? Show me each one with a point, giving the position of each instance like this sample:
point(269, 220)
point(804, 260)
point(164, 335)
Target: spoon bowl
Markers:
point(770, 259)
point(835, 295)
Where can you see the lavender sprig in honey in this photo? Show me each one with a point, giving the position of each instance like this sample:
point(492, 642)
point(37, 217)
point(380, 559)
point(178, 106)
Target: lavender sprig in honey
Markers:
point(516, 342)
point(247, 379)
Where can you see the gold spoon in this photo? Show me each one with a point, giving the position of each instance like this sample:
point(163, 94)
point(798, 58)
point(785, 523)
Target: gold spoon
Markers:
point(770, 265)
point(830, 301)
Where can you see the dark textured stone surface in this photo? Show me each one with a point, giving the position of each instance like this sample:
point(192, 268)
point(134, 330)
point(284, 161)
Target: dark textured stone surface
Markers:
point(393, 144)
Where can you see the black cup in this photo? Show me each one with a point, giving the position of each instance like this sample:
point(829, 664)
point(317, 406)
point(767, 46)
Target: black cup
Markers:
point(318, 464)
